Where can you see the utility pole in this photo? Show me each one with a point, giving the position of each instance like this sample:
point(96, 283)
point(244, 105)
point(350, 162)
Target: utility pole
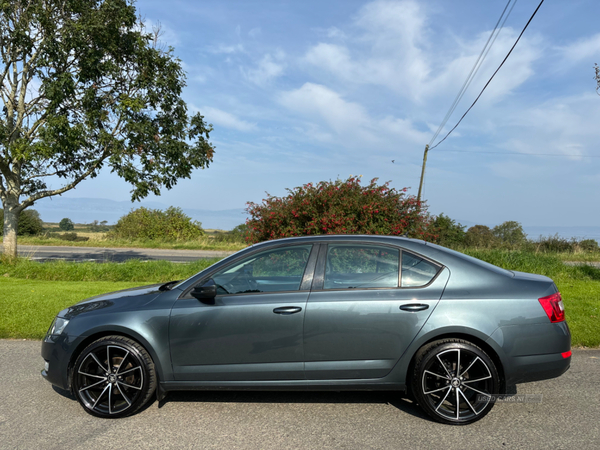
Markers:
point(422, 172)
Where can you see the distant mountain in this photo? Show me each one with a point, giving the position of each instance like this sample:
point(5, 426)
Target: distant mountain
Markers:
point(86, 210)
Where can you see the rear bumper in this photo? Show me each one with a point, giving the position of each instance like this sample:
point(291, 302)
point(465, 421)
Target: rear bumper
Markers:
point(533, 352)
point(537, 367)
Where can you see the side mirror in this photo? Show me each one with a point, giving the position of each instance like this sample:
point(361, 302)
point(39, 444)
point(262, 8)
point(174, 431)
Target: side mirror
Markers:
point(205, 293)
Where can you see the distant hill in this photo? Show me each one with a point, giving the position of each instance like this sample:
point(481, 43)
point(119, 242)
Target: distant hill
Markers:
point(86, 210)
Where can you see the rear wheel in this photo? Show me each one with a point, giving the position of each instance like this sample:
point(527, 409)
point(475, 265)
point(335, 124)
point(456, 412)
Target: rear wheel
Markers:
point(454, 381)
point(113, 377)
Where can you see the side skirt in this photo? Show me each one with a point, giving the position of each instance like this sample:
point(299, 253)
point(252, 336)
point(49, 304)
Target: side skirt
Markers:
point(288, 385)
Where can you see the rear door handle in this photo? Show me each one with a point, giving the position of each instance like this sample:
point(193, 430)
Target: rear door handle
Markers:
point(414, 307)
point(286, 310)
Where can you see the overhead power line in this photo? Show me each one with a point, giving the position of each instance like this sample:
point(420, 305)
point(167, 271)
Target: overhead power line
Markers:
point(492, 77)
point(427, 147)
point(484, 52)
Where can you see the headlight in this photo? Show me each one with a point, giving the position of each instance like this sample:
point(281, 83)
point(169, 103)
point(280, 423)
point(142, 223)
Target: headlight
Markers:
point(58, 326)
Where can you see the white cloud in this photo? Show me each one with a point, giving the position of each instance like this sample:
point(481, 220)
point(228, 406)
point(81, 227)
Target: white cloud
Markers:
point(566, 126)
point(225, 119)
point(268, 68)
point(349, 121)
point(335, 33)
point(226, 49)
point(586, 48)
point(389, 45)
point(254, 32)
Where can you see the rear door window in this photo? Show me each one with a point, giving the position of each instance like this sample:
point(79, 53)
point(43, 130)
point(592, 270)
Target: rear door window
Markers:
point(352, 266)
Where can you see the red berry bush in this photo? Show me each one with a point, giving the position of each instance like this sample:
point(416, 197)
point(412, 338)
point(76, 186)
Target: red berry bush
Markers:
point(338, 207)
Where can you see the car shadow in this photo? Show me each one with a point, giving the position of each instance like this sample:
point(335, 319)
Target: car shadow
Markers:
point(398, 400)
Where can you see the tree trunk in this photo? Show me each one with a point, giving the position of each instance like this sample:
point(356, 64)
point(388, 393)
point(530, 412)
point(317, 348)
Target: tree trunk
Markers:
point(11, 221)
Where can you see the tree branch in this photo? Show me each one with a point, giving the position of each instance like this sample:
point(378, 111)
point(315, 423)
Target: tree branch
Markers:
point(49, 193)
point(41, 175)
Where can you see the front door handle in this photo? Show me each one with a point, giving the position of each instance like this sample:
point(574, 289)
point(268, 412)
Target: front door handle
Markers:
point(286, 310)
point(414, 307)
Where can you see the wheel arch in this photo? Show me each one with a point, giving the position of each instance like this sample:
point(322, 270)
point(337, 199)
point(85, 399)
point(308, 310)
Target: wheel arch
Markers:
point(479, 341)
point(128, 333)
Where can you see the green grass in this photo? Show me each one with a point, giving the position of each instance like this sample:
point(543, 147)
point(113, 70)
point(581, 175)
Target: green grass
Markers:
point(203, 243)
point(582, 308)
point(543, 264)
point(132, 270)
point(28, 306)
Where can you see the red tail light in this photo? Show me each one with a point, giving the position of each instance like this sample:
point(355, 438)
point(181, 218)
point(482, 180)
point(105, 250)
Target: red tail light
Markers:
point(554, 308)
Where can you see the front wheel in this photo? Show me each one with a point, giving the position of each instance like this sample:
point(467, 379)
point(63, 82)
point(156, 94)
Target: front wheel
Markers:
point(454, 381)
point(113, 377)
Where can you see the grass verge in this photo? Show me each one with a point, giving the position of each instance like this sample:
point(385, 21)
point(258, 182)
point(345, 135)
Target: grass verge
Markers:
point(28, 306)
point(131, 270)
point(203, 243)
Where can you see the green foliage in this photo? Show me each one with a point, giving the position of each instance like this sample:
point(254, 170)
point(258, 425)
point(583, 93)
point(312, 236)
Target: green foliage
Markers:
point(71, 237)
point(105, 93)
point(98, 227)
point(510, 233)
point(154, 224)
point(589, 245)
point(66, 224)
point(237, 235)
point(449, 233)
point(339, 207)
point(30, 223)
point(480, 236)
point(552, 244)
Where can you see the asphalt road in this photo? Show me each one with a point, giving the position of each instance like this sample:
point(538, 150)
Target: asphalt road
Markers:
point(33, 415)
point(98, 254)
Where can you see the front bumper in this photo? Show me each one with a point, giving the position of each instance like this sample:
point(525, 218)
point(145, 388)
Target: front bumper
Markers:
point(57, 351)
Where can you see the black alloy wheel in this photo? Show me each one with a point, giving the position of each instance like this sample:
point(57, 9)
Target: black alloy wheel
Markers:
point(455, 381)
point(113, 377)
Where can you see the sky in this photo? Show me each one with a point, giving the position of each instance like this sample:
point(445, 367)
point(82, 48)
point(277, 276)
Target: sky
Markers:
point(304, 91)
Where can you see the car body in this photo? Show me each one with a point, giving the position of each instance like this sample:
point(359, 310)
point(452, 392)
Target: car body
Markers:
point(318, 313)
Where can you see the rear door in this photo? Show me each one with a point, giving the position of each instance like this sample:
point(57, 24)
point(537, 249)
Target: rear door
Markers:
point(367, 304)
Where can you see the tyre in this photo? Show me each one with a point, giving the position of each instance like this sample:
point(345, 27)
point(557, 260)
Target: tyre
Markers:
point(454, 381)
point(113, 377)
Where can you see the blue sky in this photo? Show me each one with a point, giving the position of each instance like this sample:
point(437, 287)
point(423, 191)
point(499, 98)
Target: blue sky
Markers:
point(303, 91)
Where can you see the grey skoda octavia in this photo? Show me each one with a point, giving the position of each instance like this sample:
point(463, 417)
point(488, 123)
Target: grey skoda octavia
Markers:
point(318, 313)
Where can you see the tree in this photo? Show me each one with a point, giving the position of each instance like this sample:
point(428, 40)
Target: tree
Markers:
point(30, 223)
point(449, 232)
point(597, 68)
point(66, 224)
point(338, 207)
point(510, 233)
point(154, 224)
point(85, 85)
point(479, 236)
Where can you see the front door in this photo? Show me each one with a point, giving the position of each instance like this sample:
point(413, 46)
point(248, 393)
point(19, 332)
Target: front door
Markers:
point(254, 330)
